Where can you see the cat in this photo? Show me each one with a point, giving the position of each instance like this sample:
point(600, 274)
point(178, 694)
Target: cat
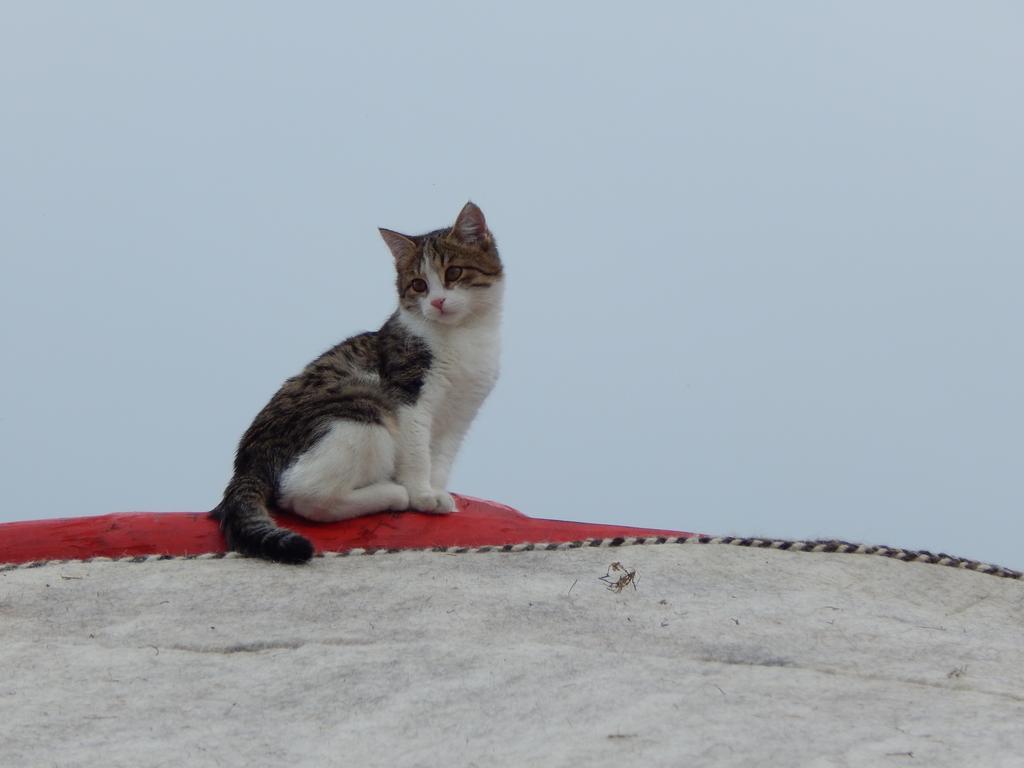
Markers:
point(374, 423)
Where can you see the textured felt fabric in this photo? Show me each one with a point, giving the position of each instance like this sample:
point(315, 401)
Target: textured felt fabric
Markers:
point(721, 656)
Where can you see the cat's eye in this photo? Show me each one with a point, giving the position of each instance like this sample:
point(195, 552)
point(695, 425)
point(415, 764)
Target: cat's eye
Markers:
point(452, 273)
point(419, 285)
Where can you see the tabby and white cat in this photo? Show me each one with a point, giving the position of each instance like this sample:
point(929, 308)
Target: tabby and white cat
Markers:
point(374, 423)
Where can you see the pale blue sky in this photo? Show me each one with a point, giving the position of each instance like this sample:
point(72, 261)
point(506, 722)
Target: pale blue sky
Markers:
point(765, 260)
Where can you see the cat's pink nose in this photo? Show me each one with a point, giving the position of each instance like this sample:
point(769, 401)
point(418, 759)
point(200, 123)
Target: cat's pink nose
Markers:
point(438, 303)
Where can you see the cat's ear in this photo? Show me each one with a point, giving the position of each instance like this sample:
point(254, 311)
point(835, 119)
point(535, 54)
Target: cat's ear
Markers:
point(471, 227)
point(401, 246)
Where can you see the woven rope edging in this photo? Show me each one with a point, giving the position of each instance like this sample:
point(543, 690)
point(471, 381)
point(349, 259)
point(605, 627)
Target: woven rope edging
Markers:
point(787, 545)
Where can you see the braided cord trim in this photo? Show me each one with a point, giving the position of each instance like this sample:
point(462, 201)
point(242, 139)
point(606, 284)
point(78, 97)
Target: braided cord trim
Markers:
point(821, 545)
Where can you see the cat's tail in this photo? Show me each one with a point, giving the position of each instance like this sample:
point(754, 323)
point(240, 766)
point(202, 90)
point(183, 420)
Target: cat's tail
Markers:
point(250, 530)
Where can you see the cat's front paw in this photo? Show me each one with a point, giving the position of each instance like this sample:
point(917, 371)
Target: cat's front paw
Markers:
point(429, 500)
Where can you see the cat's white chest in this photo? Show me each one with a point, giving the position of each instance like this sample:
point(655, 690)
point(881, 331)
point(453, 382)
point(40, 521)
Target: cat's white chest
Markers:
point(466, 363)
point(463, 370)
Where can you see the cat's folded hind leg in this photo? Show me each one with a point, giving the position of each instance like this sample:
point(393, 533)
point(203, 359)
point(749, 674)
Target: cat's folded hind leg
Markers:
point(370, 499)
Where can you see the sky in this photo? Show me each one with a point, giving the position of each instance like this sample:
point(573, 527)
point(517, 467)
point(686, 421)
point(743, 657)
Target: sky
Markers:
point(764, 261)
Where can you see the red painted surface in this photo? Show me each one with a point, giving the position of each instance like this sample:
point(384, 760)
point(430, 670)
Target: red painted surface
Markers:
point(476, 523)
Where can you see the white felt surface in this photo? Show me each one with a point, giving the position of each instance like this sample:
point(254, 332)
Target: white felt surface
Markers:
point(723, 656)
